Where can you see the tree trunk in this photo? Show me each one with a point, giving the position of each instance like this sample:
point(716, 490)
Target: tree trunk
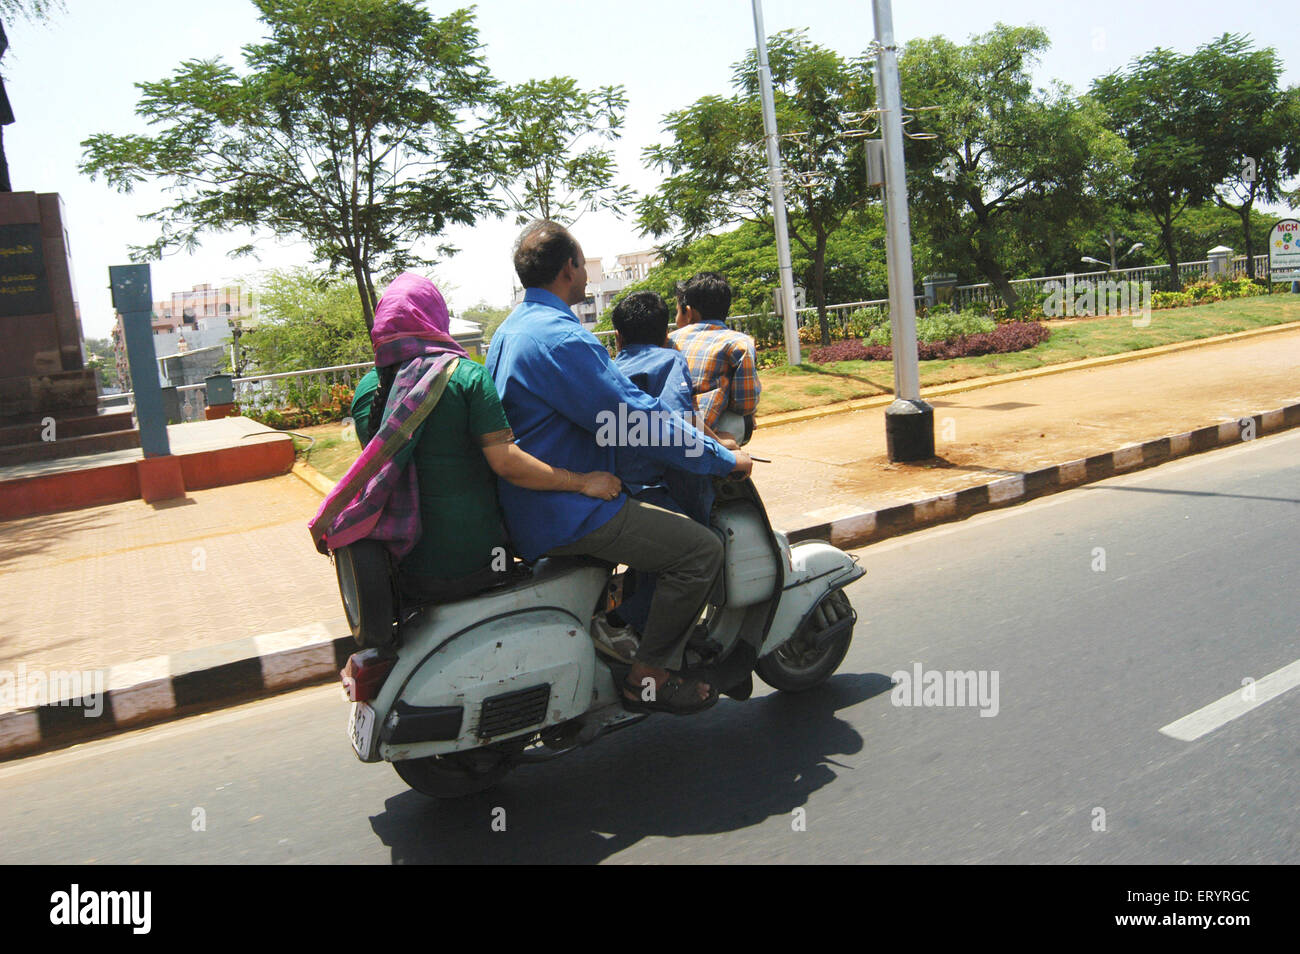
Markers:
point(366, 291)
point(985, 259)
point(819, 288)
point(1171, 253)
point(4, 164)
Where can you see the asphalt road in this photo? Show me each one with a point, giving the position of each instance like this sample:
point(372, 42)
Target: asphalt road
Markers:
point(1198, 592)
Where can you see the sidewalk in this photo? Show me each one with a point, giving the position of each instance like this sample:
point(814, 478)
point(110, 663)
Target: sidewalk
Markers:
point(226, 579)
point(834, 466)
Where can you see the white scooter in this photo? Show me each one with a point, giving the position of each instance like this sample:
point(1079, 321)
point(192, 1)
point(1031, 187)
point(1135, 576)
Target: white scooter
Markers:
point(456, 694)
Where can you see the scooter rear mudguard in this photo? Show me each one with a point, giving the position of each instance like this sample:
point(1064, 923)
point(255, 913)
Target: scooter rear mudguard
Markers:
point(492, 668)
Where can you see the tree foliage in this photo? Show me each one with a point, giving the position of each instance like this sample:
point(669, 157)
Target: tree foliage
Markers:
point(716, 162)
point(553, 164)
point(1184, 116)
point(351, 127)
point(305, 321)
point(1010, 164)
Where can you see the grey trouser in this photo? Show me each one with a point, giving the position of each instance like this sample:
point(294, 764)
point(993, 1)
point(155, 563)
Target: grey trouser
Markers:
point(686, 557)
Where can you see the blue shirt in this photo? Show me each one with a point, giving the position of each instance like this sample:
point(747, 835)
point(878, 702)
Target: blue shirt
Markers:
point(571, 407)
point(664, 373)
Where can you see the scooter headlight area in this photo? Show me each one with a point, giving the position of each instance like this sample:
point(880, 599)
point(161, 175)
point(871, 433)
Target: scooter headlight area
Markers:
point(469, 689)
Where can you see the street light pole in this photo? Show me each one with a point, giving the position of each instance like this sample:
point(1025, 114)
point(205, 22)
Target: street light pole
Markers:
point(909, 421)
point(790, 320)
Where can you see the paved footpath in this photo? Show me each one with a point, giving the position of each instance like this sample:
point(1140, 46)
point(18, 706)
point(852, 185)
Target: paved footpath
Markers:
point(834, 466)
point(127, 582)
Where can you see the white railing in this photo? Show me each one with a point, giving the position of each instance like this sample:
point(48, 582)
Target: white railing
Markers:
point(964, 295)
point(272, 391)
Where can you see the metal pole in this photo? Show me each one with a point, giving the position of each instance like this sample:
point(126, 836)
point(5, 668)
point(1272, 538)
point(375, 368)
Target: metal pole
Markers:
point(909, 421)
point(790, 320)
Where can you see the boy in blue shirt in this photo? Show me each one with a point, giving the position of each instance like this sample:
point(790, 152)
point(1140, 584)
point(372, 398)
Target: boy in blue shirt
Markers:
point(653, 365)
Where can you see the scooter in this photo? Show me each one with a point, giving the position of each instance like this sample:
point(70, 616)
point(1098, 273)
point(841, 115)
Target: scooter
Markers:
point(456, 694)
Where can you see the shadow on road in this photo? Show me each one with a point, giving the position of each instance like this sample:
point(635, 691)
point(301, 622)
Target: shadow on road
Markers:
point(728, 769)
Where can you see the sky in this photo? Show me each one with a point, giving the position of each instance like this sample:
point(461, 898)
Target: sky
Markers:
point(74, 76)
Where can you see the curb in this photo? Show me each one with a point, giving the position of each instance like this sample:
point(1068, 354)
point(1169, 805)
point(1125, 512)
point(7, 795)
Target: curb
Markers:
point(873, 525)
point(163, 688)
point(971, 384)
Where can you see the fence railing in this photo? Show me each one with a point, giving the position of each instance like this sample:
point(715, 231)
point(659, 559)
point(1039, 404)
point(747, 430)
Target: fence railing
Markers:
point(964, 295)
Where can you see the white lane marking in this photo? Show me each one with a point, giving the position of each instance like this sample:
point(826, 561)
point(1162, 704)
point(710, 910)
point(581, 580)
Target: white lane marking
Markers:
point(1234, 704)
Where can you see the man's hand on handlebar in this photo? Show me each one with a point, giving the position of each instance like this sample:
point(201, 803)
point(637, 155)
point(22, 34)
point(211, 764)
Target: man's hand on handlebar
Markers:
point(743, 465)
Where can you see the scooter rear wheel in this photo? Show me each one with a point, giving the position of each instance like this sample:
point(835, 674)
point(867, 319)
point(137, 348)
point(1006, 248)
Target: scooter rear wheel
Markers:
point(798, 665)
point(454, 776)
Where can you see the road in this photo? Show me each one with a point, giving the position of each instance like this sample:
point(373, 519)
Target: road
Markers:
point(1196, 595)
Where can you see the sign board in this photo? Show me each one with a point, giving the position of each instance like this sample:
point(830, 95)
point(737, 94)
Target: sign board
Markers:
point(1284, 251)
point(24, 289)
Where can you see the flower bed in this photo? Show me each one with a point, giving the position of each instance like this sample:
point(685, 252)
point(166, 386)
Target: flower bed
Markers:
point(1016, 336)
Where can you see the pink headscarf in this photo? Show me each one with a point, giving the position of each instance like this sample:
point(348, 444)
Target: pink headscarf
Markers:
point(411, 320)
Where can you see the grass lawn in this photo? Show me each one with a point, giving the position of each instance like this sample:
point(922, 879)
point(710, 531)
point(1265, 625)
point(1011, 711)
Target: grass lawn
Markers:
point(333, 452)
point(788, 388)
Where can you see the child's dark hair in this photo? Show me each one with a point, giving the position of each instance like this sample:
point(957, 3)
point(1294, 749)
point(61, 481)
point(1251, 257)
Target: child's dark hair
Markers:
point(642, 318)
point(708, 293)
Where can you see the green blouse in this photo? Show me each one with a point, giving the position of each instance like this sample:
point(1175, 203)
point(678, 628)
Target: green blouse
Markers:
point(459, 517)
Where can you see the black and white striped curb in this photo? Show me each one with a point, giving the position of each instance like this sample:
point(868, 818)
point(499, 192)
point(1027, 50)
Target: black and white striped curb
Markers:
point(166, 687)
point(197, 680)
point(870, 526)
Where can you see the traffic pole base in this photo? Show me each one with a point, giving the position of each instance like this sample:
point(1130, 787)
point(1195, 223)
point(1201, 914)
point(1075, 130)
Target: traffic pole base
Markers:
point(909, 430)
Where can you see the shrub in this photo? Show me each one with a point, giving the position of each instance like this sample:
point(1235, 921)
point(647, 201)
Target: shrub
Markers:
point(938, 325)
point(1000, 339)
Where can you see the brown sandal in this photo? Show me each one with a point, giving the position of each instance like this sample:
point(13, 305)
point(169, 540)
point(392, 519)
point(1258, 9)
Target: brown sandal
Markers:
point(673, 696)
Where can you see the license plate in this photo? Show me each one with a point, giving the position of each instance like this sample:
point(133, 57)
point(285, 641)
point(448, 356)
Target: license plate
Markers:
point(361, 729)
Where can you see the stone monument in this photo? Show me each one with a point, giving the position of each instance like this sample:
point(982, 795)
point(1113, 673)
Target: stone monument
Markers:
point(48, 397)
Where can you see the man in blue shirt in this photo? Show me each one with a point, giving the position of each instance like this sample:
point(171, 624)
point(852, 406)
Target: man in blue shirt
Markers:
point(569, 406)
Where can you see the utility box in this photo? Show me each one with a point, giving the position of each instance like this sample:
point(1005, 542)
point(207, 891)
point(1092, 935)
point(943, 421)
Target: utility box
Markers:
point(220, 388)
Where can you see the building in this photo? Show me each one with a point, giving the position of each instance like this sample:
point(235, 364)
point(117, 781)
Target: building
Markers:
point(203, 319)
point(603, 285)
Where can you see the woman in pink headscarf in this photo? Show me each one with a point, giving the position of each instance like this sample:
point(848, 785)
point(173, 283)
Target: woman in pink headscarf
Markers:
point(455, 450)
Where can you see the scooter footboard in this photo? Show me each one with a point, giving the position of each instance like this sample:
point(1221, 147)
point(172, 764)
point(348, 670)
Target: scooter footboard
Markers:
point(504, 678)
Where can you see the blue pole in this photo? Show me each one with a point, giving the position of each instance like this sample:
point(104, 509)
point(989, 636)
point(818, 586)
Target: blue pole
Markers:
point(133, 299)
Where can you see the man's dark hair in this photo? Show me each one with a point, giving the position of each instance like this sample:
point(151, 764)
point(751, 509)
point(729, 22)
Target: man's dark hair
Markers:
point(541, 251)
point(642, 318)
point(708, 293)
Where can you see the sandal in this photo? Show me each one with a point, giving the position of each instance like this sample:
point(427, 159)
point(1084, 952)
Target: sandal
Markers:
point(677, 695)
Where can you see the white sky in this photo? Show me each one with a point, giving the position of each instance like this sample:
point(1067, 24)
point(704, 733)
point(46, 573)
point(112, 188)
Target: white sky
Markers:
point(74, 76)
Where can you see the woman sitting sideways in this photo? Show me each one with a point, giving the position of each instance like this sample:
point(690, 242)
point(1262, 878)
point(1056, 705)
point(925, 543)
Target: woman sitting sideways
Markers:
point(426, 386)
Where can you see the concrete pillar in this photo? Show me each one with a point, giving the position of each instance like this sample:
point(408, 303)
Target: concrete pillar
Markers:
point(1220, 263)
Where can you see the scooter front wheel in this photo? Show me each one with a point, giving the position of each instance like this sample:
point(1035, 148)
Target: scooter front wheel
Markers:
point(454, 776)
point(799, 664)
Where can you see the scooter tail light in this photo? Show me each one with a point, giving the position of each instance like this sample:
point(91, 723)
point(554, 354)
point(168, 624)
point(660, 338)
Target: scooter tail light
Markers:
point(364, 674)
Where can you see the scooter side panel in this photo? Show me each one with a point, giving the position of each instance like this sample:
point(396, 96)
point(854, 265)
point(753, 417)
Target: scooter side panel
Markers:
point(521, 651)
point(815, 569)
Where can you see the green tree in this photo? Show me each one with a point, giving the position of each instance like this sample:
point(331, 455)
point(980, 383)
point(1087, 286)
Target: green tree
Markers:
point(1169, 108)
point(1009, 162)
point(488, 317)
point(351, 127)
point(1256, 128)
point(553, 166)
point(716, 162)
point(306, 321)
